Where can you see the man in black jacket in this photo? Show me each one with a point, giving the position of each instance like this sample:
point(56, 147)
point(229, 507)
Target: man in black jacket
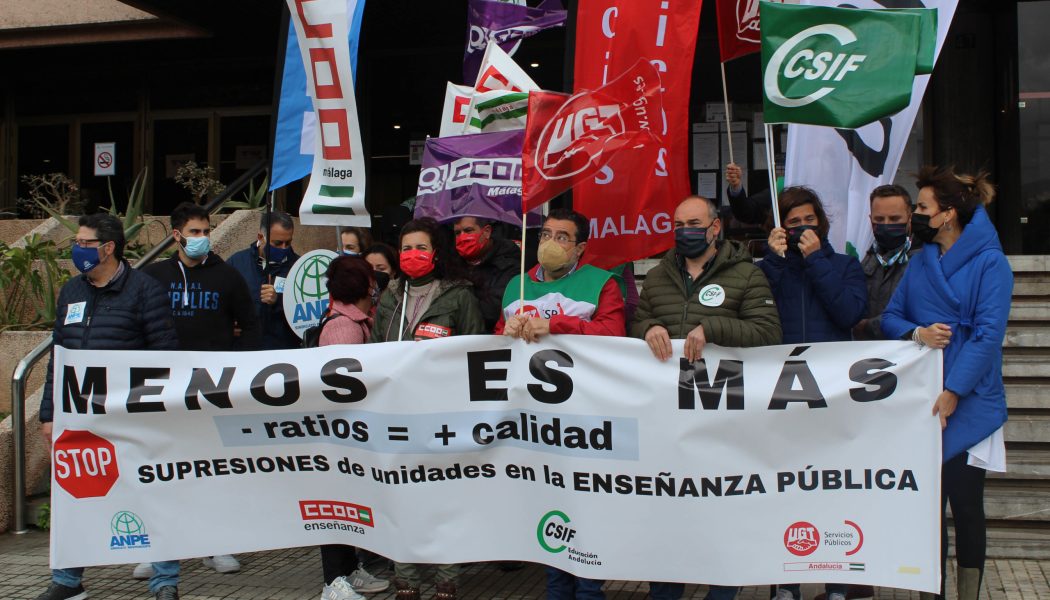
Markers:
point(109, 307)
point(493, 262)
point(209, 298)
point(264, 266)
point(886, 260)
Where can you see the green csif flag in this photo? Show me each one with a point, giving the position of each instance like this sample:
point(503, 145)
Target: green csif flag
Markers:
point(839, 67)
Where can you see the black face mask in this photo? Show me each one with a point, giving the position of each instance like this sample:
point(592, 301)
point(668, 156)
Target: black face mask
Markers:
point(890, 235)
point(795, 235)
point(382, 279)
point(920, 228)
point(691, 242)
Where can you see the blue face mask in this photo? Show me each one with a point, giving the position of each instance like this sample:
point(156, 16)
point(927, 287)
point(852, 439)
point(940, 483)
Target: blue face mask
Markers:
point(351, 253)
point(85, 259)
point(196, 247)
point(277, 256)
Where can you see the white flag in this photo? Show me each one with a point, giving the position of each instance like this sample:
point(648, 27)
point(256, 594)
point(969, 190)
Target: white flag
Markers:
point(454, 115)
point(500, 72)
point(498, 110)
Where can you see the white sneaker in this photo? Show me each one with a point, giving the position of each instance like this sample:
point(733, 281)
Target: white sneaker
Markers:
point(142, 571)
point(340, 590)
point(224, 563)
point(363, 581)
point(783, 594)
point(836, 596)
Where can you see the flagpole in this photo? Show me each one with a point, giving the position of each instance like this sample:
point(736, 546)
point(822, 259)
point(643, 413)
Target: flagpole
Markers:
point(521, 305)
point(725, 99)
point(772, 164)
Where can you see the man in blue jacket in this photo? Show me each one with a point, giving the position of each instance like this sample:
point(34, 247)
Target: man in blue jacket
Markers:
point(820, 293)
point(264, 266)
point(110, 307)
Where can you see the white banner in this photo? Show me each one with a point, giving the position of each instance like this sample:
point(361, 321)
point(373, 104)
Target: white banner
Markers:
point(752, 466)
point(842, 165)
point(336, 194)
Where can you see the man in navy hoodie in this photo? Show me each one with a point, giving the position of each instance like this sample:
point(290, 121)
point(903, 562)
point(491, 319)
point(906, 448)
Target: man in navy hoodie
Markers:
point(209, 298)
point(264, 266)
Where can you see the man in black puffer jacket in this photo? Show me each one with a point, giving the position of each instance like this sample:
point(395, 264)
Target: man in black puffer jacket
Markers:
point(492, 263)
point(110, 307)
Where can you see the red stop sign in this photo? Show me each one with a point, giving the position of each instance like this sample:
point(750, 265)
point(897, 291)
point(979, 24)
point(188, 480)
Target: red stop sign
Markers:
point(85, 464)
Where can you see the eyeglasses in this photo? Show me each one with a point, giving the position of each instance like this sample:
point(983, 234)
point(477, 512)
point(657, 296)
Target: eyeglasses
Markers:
point(82, 243)
point(561, 238)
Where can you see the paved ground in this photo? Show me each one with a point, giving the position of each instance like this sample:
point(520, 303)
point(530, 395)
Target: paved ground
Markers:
point(295, 574)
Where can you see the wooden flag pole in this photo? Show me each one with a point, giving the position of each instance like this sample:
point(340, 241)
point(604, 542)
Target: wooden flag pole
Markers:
point(729, 127)
point(521, 307)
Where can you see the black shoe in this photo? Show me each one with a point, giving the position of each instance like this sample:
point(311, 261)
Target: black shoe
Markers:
point(60, 592)
point(168, 592)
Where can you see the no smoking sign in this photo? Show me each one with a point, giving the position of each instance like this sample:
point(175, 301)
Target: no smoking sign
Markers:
point(105, 163)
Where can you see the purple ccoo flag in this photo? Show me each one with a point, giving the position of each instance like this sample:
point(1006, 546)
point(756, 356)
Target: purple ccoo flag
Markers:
point(475, 175)
point(507, 24)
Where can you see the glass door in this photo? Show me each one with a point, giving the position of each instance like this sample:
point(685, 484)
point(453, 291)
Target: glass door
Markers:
point(1033, 49)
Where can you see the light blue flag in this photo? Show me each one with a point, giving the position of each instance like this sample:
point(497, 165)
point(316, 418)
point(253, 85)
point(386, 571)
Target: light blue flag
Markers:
point(293, 155)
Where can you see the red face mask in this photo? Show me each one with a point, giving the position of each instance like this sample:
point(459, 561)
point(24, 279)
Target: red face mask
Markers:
point(470, 245)
point(416, 263)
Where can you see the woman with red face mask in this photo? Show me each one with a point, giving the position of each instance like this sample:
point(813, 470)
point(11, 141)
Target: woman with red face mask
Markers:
point(434, 298)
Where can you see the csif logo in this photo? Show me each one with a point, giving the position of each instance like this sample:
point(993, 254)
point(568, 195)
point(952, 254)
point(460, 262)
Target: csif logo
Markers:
point(563, 143)
point(129, 532)
point(553, 533)
point(815, 54)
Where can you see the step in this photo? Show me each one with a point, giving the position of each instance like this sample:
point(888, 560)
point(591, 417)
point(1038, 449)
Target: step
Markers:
point(1029, 263)
point(1026, 465)
point(1031, 286)
point(1026, 365)
point(1009, 502)
point(1029, 310)
point(1027, 337)
point(1028, 396)
point(1027, 428)
point(1014, 540)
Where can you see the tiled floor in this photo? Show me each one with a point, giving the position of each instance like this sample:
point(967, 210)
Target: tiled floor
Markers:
point(295, 574)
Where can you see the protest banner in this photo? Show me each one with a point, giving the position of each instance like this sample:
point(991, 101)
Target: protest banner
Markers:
point(630, 207)
point(336, 194)
point(844, 165)
point(751, 466)
point(296, 130)
point(473, 176)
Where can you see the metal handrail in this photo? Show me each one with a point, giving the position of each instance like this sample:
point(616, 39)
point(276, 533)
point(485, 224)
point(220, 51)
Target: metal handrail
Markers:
point(18, 379)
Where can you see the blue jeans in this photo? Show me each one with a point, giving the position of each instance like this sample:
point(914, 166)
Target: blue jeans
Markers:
point(659, 590)
point(164, 573)
point(829, 589)
point(563, 586)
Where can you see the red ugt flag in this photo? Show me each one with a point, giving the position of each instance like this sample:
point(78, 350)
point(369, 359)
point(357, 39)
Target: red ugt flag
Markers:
point(568, 139)
point(738, 28)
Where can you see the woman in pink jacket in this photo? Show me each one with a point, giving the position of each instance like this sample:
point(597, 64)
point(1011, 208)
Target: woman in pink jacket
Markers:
point(352, 292)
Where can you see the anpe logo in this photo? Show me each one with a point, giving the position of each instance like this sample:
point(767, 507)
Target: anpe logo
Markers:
point(85, 464)
point(306, 291)
point(129, 532)
point(335, 510)
point(562, 144)
point(819, 58)
point(801, 538)
point(554, 533)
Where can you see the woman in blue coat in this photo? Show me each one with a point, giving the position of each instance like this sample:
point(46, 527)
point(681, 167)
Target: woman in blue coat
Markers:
point(820, 293)
point(955, 296)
